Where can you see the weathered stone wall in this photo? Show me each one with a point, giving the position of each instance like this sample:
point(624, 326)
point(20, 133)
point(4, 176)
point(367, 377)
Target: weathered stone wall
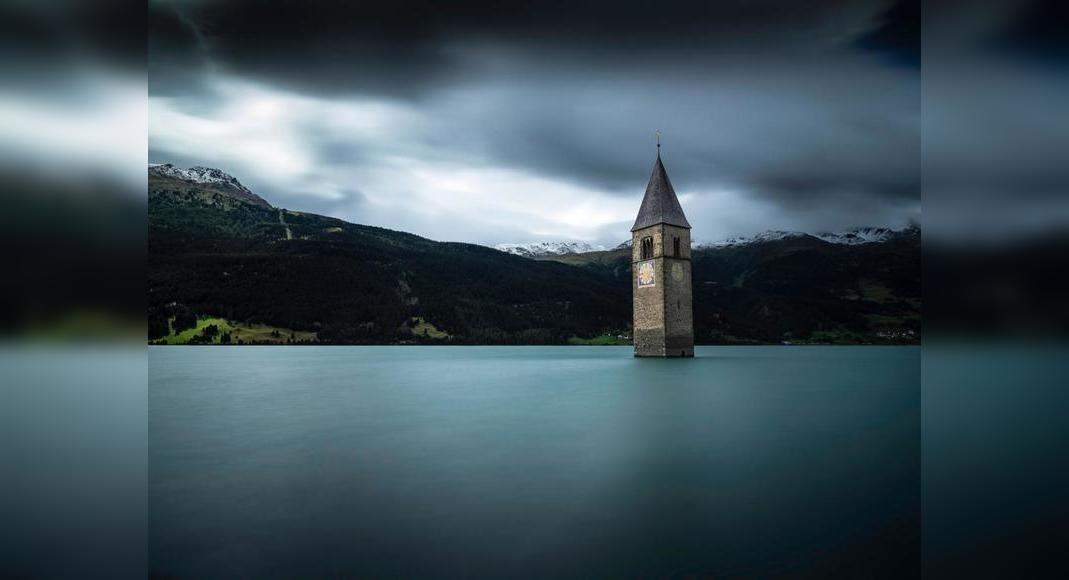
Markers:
point(662, 241)
point(670, 232)
point(648, 322)
point(678, 312)
point(663, 322)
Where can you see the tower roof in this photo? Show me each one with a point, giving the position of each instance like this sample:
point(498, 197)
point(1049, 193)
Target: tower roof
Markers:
point(660, 204)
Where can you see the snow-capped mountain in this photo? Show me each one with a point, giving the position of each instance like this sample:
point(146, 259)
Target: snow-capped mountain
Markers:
point(540, 249)
point(852, 237)
point(207, 176)
point(769, 236)
point(858, 236)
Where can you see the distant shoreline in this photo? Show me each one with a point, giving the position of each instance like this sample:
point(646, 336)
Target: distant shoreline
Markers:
point(444, 344)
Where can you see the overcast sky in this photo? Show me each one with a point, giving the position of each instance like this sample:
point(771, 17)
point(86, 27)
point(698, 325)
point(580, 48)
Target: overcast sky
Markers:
point(480, 125)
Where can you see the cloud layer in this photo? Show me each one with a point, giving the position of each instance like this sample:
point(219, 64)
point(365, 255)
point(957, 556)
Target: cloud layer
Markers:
point(484, 126)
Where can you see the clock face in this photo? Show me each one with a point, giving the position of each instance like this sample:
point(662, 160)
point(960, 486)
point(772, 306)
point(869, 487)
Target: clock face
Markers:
point(677, 272)
point(646, 274)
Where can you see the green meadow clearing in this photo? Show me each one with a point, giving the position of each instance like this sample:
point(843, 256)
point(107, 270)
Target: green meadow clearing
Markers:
point(239, 333)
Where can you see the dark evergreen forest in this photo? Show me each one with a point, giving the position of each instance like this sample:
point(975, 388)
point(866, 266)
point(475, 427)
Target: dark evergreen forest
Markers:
point(213, 254)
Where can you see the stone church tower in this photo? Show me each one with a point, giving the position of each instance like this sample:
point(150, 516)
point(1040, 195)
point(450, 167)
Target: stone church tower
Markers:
point(660, 268)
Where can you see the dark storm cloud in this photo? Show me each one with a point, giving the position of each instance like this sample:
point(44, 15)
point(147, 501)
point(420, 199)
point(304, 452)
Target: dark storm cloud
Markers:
point(178, 57)
point(404, 48)
point(796, 104)
point(759, 126)
point(898, 34)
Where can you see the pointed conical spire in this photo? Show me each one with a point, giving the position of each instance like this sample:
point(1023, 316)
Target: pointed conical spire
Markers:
point(660, 204)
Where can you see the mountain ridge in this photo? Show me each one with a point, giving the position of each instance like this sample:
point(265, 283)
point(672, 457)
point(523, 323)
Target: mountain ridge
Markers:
point(208, 177)
point(851, 237)
point(542, 249)
point(216, 252)
point(854, 236)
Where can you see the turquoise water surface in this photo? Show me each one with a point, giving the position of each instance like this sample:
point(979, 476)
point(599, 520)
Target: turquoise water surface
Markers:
point(533, 461)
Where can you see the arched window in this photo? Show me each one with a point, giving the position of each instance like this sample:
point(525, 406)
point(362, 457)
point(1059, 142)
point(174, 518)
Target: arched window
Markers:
point(675, 247)
point(647, 248)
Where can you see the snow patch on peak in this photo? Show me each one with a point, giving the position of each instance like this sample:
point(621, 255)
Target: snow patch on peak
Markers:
point(854, 237)
point(540, 249)
point(769, 236)
point(858, 236)
point(199, 174)
point(210, 176)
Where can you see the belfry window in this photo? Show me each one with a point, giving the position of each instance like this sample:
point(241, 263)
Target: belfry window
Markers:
point(675, 246)
point(647, 248)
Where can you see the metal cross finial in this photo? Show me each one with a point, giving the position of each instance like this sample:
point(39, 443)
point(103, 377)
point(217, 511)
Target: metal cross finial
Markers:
point(658, 138)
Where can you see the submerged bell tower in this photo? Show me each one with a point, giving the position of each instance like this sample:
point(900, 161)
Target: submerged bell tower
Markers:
point(663, 323)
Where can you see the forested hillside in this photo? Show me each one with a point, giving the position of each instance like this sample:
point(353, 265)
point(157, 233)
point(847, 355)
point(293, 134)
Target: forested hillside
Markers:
point(212, 254)
point(797, 289)
point(215, 253)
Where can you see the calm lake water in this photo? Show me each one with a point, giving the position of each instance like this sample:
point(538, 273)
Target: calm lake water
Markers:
point(533, 462)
